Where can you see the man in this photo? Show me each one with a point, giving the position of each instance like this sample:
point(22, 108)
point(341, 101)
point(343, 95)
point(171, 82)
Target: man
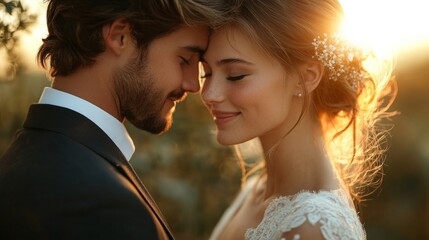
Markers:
point(66, 174)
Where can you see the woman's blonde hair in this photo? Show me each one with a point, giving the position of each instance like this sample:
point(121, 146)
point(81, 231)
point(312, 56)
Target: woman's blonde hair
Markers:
point(349, 114)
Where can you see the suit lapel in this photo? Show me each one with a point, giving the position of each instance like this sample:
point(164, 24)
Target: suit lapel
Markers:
point(81, 129)
point(132, 176)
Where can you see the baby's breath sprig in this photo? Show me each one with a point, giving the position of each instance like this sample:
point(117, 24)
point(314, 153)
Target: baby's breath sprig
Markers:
point(343, 59)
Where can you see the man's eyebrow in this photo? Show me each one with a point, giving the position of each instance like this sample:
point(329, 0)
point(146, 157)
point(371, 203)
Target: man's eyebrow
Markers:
point(195, 49)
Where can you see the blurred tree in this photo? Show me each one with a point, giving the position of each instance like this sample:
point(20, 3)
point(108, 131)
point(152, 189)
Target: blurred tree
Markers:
point(13, 18)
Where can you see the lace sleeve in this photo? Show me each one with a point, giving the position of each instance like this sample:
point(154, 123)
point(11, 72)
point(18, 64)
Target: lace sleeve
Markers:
point(309, 215)
point(305, 231)
point(327, 210)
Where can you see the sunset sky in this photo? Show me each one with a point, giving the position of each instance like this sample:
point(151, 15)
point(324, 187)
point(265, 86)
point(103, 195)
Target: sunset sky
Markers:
point(398, 26)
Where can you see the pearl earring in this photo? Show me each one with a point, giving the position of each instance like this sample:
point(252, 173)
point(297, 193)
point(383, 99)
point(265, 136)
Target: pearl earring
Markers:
point(298, 95)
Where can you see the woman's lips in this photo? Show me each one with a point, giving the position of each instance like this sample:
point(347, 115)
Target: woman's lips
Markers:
point(222, 117)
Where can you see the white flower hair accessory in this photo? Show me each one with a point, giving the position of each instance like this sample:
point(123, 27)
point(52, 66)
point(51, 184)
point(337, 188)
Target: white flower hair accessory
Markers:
point(343, 59)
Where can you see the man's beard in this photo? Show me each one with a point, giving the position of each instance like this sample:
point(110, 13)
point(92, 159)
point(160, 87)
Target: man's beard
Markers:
point(140, 102)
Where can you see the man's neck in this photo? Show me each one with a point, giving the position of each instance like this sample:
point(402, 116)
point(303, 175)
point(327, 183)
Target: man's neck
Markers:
point(91, 85)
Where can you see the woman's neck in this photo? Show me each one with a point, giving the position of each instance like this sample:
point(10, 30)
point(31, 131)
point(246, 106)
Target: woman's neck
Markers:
point(299, 162)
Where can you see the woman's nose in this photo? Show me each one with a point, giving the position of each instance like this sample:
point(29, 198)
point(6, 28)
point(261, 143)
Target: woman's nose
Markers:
point(212, 91)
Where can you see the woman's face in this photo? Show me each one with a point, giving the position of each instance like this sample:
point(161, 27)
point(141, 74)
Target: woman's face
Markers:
point(248, 93)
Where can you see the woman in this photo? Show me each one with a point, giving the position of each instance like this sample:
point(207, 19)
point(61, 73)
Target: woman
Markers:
point(276, 70)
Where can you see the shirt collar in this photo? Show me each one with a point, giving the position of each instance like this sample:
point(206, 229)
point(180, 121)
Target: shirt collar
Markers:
point(110, 125)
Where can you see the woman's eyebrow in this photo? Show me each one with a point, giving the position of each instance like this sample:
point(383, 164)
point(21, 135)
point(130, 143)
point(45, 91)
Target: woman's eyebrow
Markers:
point(233, 60)
point(228, 61)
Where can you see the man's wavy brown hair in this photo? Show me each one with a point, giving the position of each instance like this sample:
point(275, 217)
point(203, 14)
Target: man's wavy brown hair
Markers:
point(75, 26)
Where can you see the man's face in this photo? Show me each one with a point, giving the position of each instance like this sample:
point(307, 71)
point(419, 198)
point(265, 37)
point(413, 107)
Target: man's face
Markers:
point(151, 83)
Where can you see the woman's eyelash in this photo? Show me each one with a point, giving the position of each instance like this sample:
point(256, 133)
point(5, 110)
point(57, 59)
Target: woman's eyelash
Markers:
point(236, 78)
point(231, 78)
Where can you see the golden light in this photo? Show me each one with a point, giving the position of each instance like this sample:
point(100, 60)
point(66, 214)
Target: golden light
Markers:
point(31, 40)
point(387, 25)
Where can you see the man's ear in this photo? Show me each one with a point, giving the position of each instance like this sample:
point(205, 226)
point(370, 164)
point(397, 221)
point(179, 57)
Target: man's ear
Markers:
point(117, 36)
point(311, 73)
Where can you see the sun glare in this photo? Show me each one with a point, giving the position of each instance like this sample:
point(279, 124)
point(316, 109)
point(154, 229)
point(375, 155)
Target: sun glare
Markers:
point(31, 42)
point(387, 26)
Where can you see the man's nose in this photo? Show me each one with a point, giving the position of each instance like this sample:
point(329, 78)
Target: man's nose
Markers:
point(191, 82)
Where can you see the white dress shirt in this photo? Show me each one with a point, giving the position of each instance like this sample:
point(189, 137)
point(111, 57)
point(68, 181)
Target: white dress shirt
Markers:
point(109, 124)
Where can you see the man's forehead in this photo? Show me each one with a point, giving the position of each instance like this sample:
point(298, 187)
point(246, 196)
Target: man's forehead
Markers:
point(191, 36)
point(184, 39)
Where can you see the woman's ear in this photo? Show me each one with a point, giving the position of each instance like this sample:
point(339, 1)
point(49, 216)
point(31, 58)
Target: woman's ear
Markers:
point(117, 36)
point(311, 73)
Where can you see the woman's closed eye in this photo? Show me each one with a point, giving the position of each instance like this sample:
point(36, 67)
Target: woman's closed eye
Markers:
point(237, 77)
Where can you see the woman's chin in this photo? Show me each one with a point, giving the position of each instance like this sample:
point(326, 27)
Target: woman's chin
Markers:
point(230, 139)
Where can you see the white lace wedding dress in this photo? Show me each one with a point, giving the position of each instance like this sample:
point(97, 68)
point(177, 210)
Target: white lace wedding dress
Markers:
point(332, 210)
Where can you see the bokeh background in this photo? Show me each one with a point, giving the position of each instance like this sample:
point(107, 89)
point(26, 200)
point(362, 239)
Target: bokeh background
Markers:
point(194, 179)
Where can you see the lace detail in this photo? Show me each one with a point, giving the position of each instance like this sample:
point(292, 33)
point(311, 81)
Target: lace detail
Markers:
point(331, 209)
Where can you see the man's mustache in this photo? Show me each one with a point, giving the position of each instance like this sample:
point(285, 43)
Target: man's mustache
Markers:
point(177, 96)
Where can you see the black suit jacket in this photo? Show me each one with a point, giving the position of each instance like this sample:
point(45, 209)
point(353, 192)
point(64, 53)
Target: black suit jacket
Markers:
point(63, 178)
